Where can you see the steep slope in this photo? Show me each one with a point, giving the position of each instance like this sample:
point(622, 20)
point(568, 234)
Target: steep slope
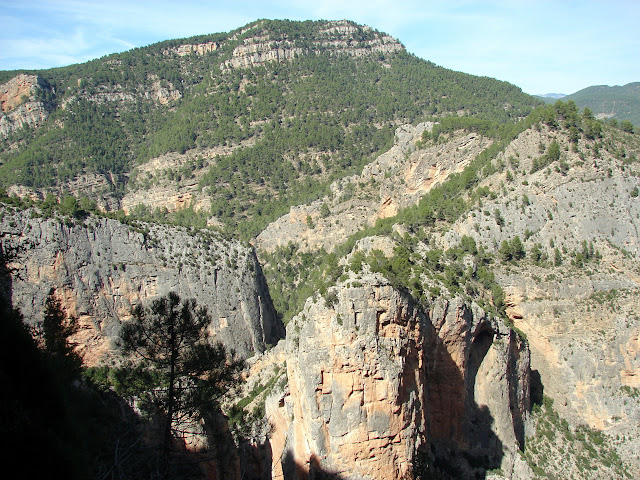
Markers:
point(239, 125)
point(543, 232)
point(100, 269)
point(576, 293)
point(394, 181)
point(420, 286)
point(23, 102)
point(380, 388)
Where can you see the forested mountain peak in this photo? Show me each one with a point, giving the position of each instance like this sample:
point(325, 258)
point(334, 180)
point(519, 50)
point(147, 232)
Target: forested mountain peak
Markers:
point(444, 255)
point(266, 41)
point(239, 125)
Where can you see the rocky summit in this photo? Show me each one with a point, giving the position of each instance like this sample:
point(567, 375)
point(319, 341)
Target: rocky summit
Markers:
point(428, 274)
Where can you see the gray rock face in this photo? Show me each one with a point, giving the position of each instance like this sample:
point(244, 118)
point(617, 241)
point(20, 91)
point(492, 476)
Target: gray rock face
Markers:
point(336, 37)
point(101, 268)
point(395, 180)
point(581, 319)
point(374, 379)
point(479, 385)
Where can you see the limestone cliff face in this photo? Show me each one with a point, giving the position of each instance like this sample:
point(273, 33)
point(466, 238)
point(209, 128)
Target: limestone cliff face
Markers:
point(101, 268)
point(374, 379)
point(96, 186)
point(581, 319)
point(478, 384)
point(159, 92)
point(356, 381)
point(189, 48)
point(19, 105)
point(338, 37)
point(171, 180)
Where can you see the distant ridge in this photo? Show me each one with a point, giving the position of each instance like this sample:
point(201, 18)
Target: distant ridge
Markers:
point(554, 96)
point(618, 102)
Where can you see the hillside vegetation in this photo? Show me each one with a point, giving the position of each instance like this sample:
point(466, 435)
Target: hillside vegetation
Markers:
point(540, 229)
point(328, 103)
point(617, 103)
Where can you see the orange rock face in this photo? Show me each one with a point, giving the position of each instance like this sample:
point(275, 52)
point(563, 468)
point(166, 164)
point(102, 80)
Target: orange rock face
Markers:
point(374, 379)
point(15, 90)
point(19, 105)
point(356, 377)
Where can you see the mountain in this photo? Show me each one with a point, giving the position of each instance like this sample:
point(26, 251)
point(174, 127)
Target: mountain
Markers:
point(550, 97)
point(555, 233)
point(258, 119)
point(101, 268)
point(452, 263)
point(617, 102)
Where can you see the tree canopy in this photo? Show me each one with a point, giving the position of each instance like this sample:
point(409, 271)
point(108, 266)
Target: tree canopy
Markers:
point(182, 376)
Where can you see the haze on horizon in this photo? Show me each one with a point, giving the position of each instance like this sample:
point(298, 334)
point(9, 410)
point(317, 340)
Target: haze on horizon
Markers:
point(543, 47)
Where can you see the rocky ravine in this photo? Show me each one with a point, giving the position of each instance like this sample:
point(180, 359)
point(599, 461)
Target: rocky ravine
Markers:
point(376, 385)
point(581, 320)
point(395, 180)
point(101, 268)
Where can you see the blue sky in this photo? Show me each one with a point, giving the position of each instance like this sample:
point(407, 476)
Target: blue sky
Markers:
point(542, 46)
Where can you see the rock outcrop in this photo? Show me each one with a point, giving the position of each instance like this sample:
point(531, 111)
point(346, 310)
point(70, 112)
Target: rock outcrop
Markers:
point(99, 187)
point(376, 383)
point(197, 48)
point(101, 268)
point(578, 307)
point(395, 180)
point(479, 388)
point(576, 298)
point(19, 103)
point(338, 37)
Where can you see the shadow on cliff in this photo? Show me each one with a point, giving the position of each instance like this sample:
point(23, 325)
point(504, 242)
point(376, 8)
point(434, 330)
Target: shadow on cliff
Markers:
point(7, 255)
point(38, 432)
point(311, 471)
point(463, 442)
point(256, 463)
point(537, 389)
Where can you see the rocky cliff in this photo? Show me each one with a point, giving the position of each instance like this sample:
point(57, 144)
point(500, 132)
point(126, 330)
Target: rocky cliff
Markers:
point(390, 376)
point(21, 104)
point(377, 385)
point(338, 37)
point(577, 303)
point(573, 292)
point(101, 268)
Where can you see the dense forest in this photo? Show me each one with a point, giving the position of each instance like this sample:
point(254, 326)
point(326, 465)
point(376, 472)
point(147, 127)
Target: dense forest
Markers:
point(619, 103)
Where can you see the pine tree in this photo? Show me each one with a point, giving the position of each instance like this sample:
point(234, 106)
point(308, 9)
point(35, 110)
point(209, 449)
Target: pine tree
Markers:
point(517, 248)
point(56, 329)
point(186, 375)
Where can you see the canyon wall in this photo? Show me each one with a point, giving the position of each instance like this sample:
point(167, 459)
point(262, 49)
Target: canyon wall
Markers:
point(379, 387)
point(101, 268)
